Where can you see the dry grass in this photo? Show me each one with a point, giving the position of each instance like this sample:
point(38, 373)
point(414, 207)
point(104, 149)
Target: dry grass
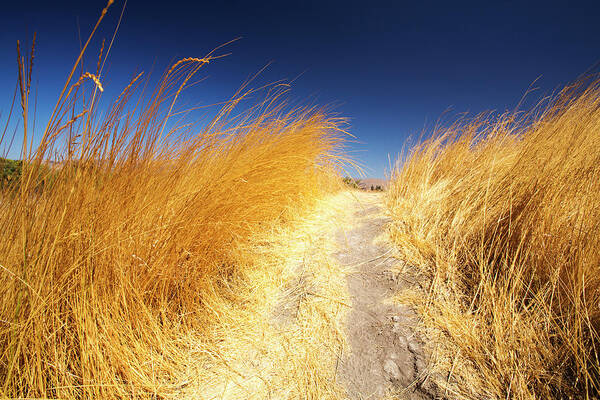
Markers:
point(110, 261)
point(503, 216)
point(283, 341)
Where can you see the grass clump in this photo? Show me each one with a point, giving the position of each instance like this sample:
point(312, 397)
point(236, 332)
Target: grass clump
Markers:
point(10, 171)
point(105, 268)
point(502, 214)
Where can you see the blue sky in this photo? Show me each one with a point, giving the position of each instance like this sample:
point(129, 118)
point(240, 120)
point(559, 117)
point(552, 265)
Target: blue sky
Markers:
point(392, 68)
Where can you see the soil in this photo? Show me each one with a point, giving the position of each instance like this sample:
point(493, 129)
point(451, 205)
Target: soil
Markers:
point(386, 355)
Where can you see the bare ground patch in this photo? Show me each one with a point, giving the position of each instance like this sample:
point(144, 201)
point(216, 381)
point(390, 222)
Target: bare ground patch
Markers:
point(386, 356)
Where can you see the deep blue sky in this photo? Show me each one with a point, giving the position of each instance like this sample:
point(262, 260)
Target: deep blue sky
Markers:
point(393, 68)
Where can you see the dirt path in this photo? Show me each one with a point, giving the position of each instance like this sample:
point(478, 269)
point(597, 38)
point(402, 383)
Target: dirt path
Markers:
point(386, 357)
point(315, 318)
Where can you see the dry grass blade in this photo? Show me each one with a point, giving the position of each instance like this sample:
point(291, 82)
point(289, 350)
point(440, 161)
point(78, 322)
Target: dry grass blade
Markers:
point(118, 237)
point(503, 215)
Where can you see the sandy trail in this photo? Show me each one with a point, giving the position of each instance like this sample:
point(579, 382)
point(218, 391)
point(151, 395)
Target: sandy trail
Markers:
point(315, 318)
point(385, 355)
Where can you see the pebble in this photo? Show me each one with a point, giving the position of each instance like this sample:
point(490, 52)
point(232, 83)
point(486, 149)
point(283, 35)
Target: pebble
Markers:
point(413, 347)
point(402, 342)
point(391, 368)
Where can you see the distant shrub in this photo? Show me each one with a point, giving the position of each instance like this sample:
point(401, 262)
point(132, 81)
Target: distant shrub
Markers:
point(353, 183)
point(10, 171)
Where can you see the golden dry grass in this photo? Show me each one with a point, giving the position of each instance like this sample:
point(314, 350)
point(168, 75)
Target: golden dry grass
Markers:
point(285, 338)
point(502, 214)
point(112, 260)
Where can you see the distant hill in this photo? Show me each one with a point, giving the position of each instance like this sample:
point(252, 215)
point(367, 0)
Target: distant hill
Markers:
point(366, 183)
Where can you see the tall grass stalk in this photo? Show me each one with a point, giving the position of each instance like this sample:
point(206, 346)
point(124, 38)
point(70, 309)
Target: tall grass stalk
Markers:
point(503, 215)
point(125, 222)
